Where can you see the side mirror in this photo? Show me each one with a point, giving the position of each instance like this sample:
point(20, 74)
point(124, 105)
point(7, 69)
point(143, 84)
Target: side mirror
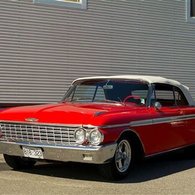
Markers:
point(157, 105)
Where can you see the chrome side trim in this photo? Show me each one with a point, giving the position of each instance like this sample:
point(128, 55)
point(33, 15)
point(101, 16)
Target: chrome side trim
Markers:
point(141, 123)
point(153, 121)
point(114, 126)
point(162, 120)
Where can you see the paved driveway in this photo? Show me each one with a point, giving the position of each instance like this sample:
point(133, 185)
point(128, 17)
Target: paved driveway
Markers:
point(158, 176)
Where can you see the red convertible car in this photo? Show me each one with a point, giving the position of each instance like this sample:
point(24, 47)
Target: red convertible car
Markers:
point(110, 121)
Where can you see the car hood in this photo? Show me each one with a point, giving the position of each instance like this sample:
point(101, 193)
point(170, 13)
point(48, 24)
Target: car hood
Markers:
point(67, 113)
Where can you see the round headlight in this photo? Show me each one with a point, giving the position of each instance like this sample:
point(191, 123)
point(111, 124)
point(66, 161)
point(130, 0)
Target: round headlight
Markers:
point(95, 137)
point(80, 136)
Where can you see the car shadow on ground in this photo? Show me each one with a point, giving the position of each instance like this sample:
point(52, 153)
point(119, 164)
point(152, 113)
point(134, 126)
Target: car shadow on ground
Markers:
point(159, 167)
point(150, 169)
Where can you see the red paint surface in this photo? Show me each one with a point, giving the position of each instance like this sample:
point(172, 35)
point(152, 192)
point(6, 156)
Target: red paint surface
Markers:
point(155, 138)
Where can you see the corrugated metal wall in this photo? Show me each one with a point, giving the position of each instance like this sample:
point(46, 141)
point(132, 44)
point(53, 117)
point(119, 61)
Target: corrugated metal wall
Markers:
point(43, 48)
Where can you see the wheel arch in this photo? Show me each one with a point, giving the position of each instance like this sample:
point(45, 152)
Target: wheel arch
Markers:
point(135, 140)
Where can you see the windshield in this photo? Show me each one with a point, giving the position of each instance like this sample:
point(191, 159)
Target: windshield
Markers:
point(125, 91)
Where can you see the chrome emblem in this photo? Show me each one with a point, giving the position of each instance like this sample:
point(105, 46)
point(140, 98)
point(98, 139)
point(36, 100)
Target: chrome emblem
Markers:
point(31, 119)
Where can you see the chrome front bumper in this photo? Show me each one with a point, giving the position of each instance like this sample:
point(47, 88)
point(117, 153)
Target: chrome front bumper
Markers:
point(85, 154)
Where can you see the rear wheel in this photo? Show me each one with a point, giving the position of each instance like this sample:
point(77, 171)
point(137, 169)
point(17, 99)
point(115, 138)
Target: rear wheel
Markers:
point(123, 159)
point(18, 163)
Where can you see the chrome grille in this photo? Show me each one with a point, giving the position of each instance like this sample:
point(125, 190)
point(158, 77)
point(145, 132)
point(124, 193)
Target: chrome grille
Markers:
point(39, 134)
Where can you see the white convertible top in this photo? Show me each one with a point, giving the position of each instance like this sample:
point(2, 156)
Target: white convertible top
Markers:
point(148, 79)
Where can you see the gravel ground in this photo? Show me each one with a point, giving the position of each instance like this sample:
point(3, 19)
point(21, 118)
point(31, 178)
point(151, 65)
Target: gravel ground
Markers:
point(167, 175)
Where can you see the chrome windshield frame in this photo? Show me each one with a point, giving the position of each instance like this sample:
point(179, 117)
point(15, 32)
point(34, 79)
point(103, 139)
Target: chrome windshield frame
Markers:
point(74, 84)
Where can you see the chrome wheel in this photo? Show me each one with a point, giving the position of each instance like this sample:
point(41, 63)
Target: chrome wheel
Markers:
point(123, 156)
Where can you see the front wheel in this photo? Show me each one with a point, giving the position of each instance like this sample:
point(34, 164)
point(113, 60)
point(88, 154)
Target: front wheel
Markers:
point(119, 167)
point(18, 163)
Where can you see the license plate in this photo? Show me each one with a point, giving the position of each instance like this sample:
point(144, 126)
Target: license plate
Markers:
point(33, 152)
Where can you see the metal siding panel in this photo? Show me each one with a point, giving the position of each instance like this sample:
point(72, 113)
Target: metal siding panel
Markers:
point(43, 48)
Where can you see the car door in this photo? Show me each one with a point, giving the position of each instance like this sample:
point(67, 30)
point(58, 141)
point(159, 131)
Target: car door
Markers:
point(188, 117)
point(168, 127)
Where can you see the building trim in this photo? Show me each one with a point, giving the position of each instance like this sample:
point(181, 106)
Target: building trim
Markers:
point(188, 12)
point(68, 4)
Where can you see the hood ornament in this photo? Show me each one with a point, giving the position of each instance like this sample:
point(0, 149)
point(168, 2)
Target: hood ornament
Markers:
point(31, 119)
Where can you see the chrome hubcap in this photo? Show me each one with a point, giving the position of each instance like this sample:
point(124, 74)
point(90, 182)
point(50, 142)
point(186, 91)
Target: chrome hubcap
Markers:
point(123, 156)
